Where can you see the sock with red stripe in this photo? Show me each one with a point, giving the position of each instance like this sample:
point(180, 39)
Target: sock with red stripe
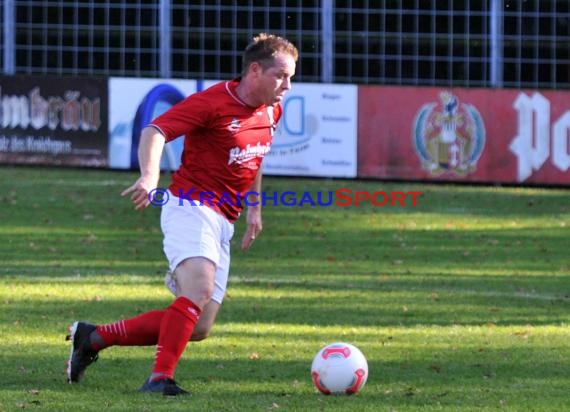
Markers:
point(175, 330)
point(142, 330)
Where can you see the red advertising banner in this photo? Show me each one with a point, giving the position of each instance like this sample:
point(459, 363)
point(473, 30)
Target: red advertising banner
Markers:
point(53, 121)
point(471, 135)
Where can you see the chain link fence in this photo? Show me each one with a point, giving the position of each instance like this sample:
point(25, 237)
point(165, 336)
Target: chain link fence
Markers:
point(463, 43)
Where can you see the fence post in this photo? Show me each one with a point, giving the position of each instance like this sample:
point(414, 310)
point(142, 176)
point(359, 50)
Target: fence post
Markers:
point(327, 41)
point(164, 42)
point(9, 37)
point(496, 53)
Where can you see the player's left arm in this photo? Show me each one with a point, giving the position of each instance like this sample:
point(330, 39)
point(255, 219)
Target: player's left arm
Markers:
point(253, 217)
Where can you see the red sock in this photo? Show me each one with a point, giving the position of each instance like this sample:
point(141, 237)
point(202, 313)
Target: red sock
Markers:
point(175, 330)
point(142, 330)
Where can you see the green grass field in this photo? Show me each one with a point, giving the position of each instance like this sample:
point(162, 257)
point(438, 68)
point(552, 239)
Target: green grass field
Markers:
point(461, 303)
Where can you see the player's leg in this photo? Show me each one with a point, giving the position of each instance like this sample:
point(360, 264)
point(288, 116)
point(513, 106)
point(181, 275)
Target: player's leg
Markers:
point(141, 330)
point(192, 245)
point(195, 277)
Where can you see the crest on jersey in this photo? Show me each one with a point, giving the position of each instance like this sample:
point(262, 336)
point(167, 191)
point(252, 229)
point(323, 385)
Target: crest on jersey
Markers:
point(234, 126)
point(448, 137)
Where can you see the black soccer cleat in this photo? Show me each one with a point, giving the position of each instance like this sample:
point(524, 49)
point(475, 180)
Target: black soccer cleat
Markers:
point(82, 354)
point(167, 387)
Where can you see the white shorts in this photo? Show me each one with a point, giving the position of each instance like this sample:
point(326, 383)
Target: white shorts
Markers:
point(197, 231)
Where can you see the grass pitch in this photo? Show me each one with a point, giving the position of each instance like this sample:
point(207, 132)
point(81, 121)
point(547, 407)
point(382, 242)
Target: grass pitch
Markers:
point(461, 303)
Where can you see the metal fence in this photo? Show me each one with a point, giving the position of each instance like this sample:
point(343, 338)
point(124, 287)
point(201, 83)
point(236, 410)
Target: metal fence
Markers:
point(467, 43)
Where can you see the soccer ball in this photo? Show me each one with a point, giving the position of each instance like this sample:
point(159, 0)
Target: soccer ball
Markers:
point(339, 368)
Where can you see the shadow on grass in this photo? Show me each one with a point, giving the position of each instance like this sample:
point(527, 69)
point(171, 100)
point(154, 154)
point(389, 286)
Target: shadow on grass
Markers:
point(398, 301)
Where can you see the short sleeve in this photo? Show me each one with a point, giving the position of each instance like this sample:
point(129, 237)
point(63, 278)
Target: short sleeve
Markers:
point(191, 114)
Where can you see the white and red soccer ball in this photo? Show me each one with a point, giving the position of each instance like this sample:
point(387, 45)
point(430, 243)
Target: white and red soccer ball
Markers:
point(339, 368)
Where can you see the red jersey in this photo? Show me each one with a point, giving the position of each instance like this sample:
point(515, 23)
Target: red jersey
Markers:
point(225, 142)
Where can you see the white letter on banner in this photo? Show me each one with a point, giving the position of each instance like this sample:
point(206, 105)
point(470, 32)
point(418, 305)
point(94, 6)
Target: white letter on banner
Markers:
point(533, 138)
point(561, 143)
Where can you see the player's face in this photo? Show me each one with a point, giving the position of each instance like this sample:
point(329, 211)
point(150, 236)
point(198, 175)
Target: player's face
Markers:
point(275, 81)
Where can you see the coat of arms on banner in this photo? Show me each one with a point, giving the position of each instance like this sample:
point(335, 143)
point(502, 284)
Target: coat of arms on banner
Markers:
point(449, 137)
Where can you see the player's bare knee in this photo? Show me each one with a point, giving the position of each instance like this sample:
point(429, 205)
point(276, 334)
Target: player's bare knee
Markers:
point(203, 295)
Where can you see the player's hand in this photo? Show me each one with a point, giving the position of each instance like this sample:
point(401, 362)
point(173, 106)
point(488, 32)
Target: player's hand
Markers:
point(139, 191)
point(254, 226)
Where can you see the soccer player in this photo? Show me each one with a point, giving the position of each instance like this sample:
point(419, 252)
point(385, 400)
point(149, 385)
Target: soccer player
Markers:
point(228, 129)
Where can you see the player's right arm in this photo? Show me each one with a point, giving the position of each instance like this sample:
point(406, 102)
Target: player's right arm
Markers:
point(151, 145)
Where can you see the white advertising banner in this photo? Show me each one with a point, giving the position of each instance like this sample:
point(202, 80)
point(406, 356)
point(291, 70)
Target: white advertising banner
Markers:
point(317, 134)
point(133, 103)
